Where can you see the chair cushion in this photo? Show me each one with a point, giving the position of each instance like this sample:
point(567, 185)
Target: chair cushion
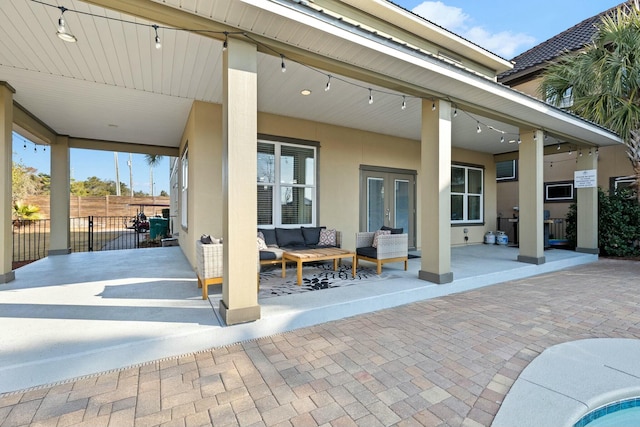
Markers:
point(393, 230)
point(289, 237)
point(269, 236)
point(311, 235)
point(379, 233)
point(327, 238)
point(368, 251)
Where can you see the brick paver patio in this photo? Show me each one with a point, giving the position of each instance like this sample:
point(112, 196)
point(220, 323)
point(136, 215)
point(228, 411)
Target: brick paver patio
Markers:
point(447, 361)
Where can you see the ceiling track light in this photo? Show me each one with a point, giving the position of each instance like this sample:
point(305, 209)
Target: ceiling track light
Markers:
point(328, 86)
point(370, 96)
point(282, 66)
point(519, 140)
point(404, 102)
point(63, 33)
point(455, 112)
point(478, 128)
point(158, 44)
point(433, 105)
point(225, 43)
point(546, 135)
point(558, 147)
point(501, 139)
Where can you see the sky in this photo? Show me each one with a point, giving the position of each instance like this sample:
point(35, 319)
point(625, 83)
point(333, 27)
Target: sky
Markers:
point(506, 28)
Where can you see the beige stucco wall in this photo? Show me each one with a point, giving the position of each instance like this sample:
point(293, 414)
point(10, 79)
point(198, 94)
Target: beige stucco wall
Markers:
point(204, 138)
point(342, 151)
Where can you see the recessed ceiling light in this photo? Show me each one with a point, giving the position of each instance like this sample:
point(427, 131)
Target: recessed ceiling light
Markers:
point(305, 92)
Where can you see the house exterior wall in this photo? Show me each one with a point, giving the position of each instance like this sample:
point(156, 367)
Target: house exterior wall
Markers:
point(203, 137)
point(341, 153)
point(612, 162)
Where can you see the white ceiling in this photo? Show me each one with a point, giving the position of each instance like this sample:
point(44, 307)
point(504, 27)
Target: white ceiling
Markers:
point(114, 85)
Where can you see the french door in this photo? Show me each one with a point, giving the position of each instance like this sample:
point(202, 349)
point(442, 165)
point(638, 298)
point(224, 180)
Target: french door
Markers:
point(387, 198)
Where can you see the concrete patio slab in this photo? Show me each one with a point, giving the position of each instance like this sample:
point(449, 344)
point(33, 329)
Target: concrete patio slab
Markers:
point(74, 315)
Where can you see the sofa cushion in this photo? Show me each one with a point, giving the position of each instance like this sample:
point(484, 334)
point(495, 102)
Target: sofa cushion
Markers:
point(289, 237)
point(368, 251)
point(269, 236)
point(311, 235)
point(271, 254)
point(392, 230)
point(377, 234)
point(327, 238)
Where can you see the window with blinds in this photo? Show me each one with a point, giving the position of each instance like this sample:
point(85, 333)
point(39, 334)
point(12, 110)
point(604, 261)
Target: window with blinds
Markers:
point(286, 184)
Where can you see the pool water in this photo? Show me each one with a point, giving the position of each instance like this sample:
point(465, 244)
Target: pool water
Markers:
point(618, 414)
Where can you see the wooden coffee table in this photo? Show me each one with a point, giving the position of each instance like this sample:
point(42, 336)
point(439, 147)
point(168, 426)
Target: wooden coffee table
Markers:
point(308, 255)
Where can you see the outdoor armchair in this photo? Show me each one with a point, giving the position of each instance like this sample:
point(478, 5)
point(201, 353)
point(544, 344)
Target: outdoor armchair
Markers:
point(390, 248)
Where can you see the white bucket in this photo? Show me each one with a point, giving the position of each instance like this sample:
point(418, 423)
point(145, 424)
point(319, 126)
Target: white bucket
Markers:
point(502, 238)
point(489, 238)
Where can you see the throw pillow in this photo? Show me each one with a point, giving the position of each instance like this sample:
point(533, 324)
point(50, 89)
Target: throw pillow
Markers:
point(206, 239)
point(262, 245)
point(379, 233)
point(393, 230)
point(261, 235)
point(327, 238)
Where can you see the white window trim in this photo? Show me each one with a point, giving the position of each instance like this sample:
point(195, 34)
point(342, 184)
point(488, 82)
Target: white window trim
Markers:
point(184, 188)
point(514, 172)
point(466, 194)
point(558, 199)
point(277, 185)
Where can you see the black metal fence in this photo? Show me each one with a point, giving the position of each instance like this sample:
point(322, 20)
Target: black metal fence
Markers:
point(31, 239)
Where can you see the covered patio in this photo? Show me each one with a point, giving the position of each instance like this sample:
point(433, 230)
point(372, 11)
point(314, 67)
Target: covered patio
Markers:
point(69, 316)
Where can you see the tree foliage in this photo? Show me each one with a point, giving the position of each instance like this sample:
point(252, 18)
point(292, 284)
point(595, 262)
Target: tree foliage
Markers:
point(618, 224)
point(603, 79)
point(25, 182)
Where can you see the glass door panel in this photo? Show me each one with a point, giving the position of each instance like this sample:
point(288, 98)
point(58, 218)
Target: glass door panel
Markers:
point(375, 203)
point(401, 205)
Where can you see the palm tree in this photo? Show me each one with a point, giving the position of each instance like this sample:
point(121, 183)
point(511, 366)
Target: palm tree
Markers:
point(603, 80)
point(152, 160)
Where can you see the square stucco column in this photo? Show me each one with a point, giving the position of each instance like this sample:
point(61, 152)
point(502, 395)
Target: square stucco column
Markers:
point(60, 243)
point(435, 193)
point(6, 161)
point(531, 200)
point(587, 204)
point(239, 302)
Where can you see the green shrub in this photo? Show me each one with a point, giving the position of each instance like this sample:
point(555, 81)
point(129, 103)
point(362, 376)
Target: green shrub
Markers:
point(618, 224)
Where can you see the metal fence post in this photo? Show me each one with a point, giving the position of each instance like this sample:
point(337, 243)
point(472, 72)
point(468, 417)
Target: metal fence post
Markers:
point(90, 236)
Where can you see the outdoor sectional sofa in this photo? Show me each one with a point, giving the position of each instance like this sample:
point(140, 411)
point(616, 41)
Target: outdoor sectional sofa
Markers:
point(278, 240)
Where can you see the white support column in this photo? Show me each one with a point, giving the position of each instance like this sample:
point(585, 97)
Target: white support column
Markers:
point(587, 212)
point(6, 161)
point(60, 243)
point(531, 198)
point(435, 193)
point(239, 302)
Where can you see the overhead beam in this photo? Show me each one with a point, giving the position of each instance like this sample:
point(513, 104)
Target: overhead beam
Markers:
point(122, 147)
